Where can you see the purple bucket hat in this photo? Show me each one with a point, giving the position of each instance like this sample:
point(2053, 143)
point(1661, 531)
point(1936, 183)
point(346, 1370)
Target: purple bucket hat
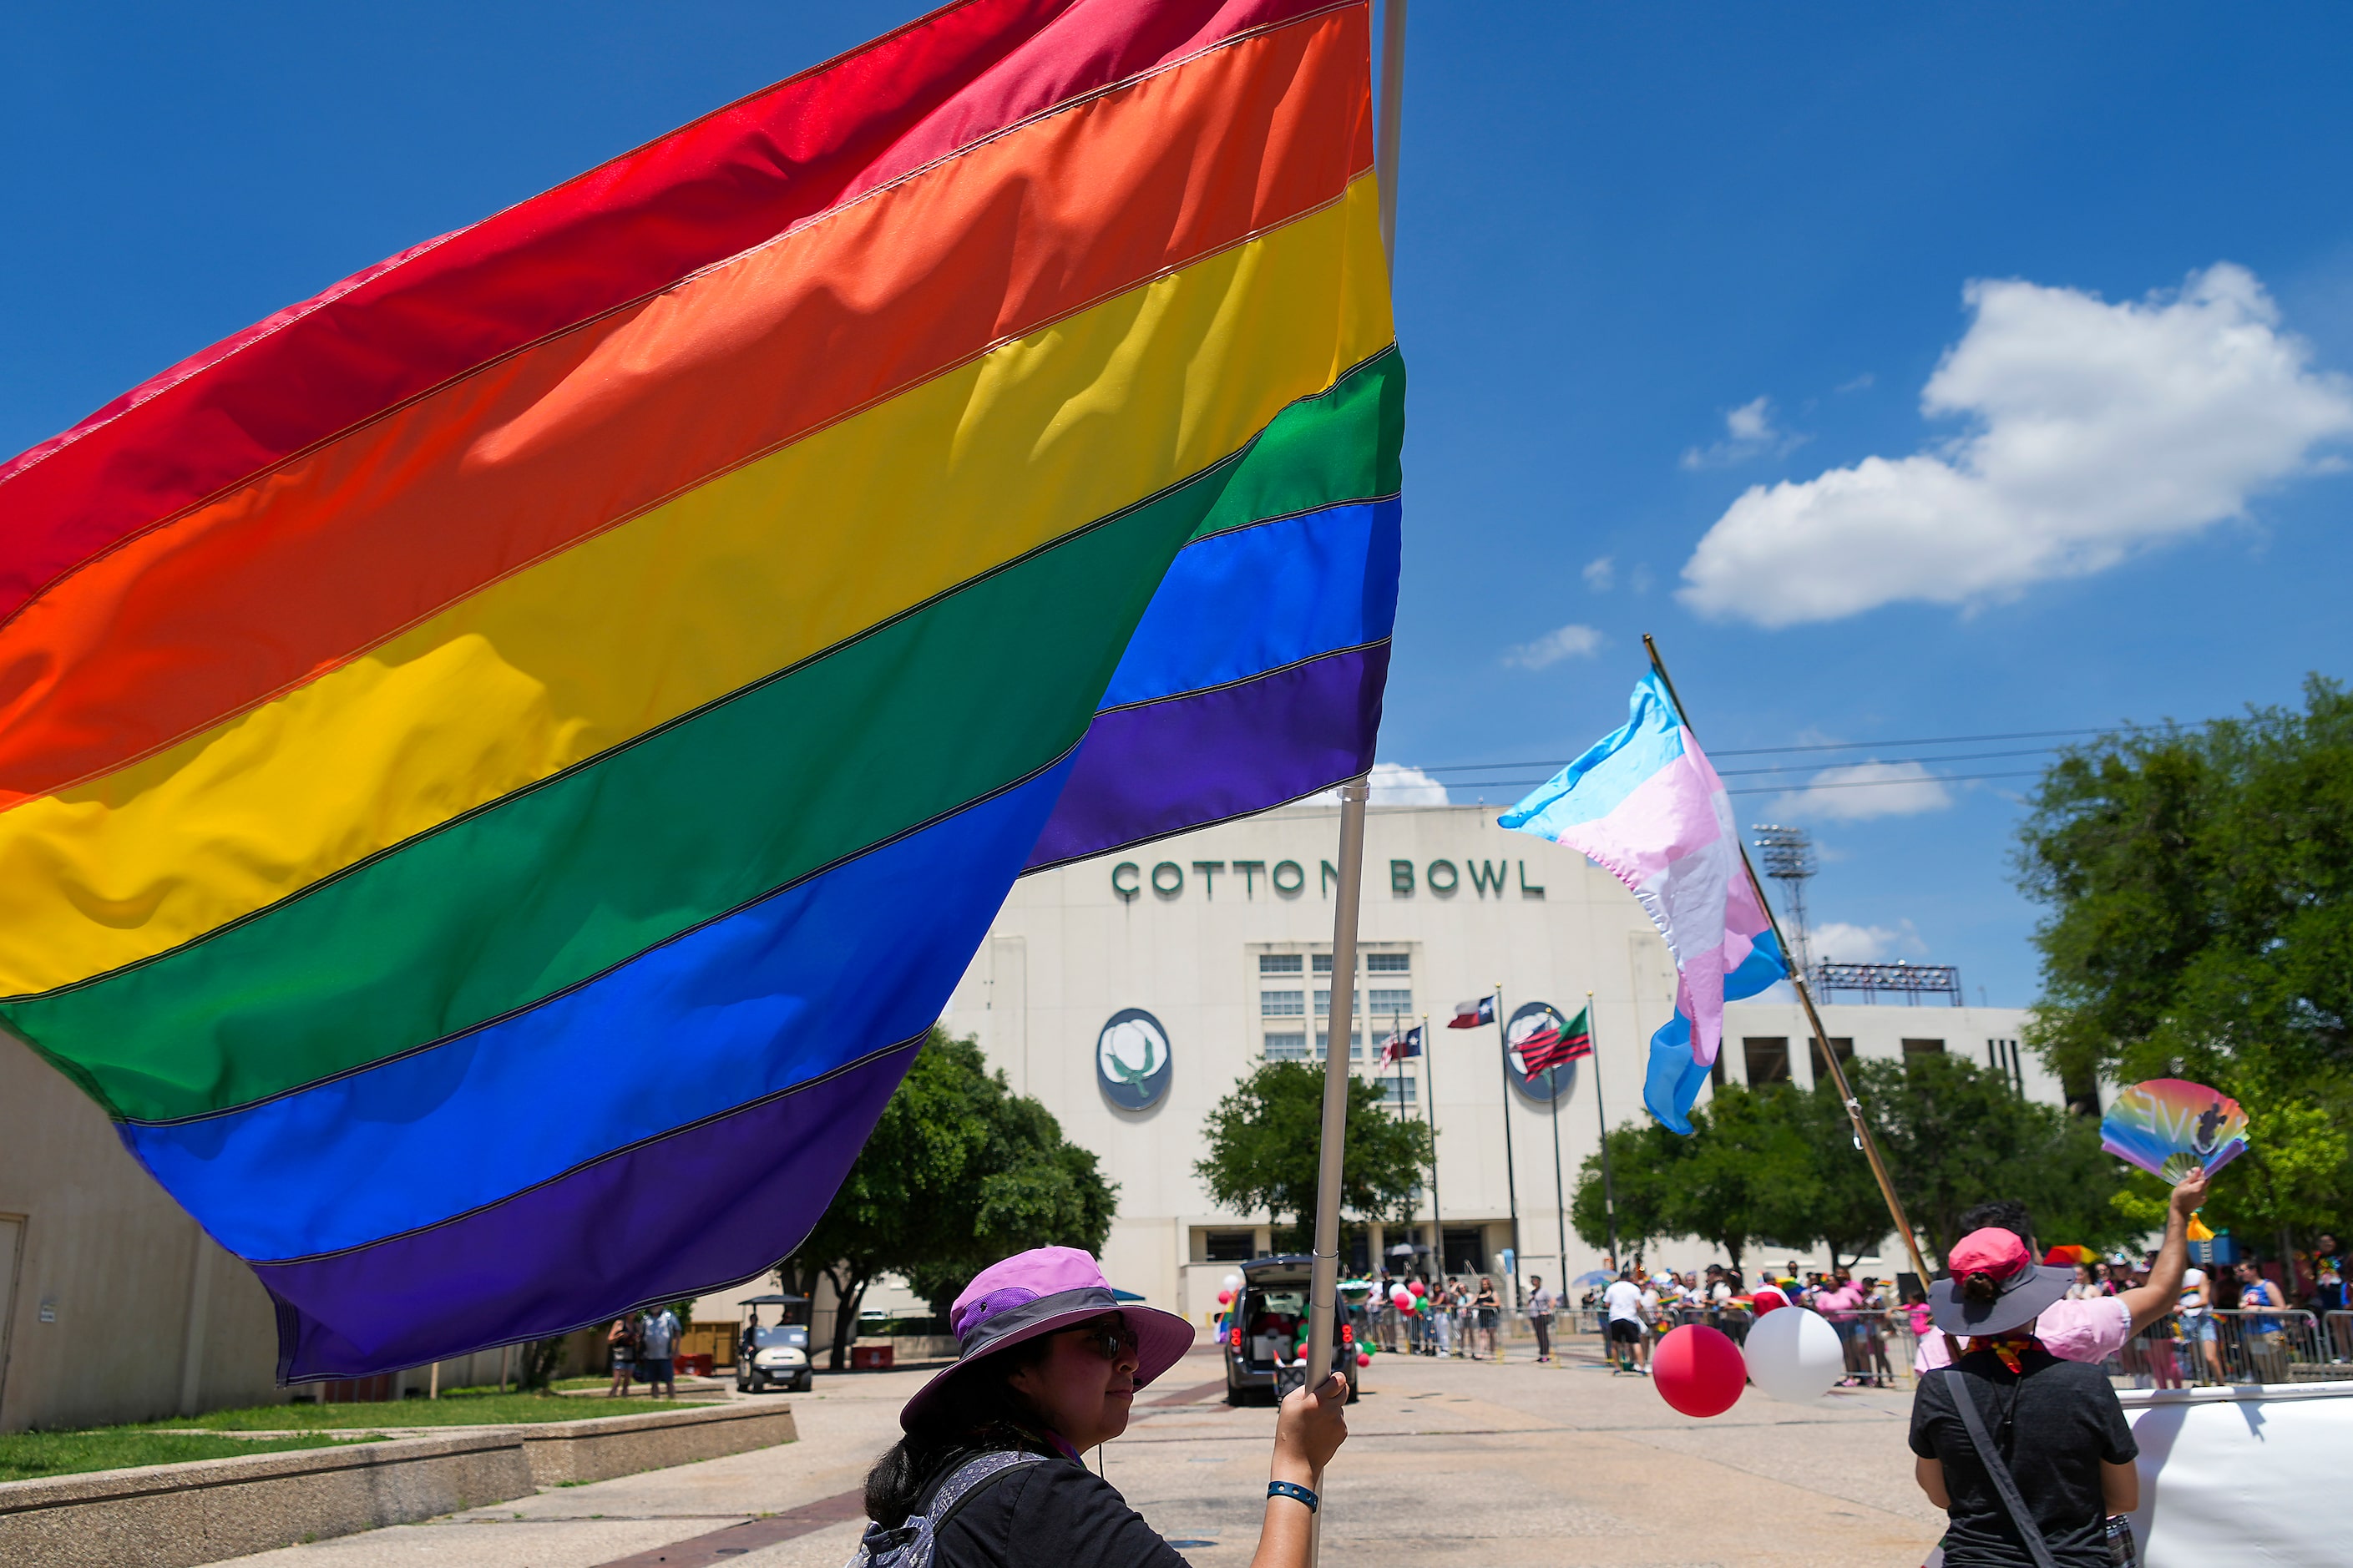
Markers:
point(1037, 1292)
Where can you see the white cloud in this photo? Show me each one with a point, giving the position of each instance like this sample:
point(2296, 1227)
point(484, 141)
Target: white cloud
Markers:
point(1861, 791)
point(1748, 432)
point(1859, 384)
point(1393, 785)
point(1569, 642)
point(1836, 941)
point(1600, 575)
point(2099, 430)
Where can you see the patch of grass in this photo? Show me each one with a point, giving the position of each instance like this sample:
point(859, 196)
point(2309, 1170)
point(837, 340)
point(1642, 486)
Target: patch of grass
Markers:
point(28, 1455)
point(456, 1407)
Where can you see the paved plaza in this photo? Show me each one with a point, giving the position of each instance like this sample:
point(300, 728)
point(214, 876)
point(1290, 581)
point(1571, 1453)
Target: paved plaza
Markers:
point(1454, 1461)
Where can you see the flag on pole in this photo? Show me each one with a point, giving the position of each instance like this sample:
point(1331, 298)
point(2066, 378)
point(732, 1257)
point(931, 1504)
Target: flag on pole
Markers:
point(1471, 1015)
point(668, 615)
point(1644, 804)
point(1398, 1047)
point(1548, 1047)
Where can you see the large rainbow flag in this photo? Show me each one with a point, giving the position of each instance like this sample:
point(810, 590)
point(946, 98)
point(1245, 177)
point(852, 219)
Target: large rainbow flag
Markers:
point(500, 763)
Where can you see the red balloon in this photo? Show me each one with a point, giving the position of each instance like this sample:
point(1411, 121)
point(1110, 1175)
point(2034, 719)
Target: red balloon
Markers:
point(1698, 1371)
point(1415, 1287)
point(1225, 1298)
point(1364, 1360)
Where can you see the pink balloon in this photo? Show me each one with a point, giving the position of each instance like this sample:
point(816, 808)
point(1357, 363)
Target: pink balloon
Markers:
point(1415, 1287)
point(1698, 1371)
point(1401, 1299)
point(1364, 1360)
point(1225, 1298)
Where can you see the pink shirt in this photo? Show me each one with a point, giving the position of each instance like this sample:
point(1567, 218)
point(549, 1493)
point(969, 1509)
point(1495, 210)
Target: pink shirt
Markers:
point(2072, 1331)
point(1839, 1305)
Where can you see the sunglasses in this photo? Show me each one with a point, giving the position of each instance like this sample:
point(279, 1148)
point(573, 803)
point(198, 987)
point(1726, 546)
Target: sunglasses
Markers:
point(1111, 1338)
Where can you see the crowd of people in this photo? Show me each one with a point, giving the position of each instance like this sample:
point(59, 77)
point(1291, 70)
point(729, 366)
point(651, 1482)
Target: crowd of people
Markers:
point(1464, 1317)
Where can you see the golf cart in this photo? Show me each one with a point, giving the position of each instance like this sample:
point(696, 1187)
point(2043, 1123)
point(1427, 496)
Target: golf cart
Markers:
point(1262, 1330)
point(773, 1354)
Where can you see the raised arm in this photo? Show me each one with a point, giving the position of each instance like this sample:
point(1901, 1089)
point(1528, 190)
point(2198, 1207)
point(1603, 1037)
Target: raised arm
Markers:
point(1312, 1426)
point(2149, 1302)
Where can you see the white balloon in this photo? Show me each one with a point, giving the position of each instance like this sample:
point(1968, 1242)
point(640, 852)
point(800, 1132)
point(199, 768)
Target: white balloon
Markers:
point(1793, 1354)
point(1232, 1282)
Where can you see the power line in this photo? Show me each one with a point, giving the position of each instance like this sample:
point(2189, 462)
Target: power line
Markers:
point(1787, 788)
point(1555, 764)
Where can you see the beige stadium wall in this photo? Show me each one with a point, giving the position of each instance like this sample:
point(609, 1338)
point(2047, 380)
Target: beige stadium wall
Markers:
point(113, 1307)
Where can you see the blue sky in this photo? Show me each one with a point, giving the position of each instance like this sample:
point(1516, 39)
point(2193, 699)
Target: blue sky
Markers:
point(1621, 229)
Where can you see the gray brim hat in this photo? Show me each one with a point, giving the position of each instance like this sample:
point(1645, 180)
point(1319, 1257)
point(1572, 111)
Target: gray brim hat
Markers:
point(2018, 1302)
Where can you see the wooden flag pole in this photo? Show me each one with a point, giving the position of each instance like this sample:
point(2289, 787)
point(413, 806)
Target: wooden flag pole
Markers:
point(1863, 1138)
point(1323, 1274)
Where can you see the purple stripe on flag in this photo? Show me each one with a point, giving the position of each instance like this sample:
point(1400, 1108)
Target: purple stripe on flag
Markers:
point(1146, 771)
point(590, 1245)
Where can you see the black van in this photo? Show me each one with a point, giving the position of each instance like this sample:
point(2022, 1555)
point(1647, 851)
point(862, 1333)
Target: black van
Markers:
point(1262, 1329)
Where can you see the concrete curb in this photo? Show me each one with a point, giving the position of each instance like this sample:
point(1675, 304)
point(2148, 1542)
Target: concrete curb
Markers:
point(176, 1516)
point(600, 1448)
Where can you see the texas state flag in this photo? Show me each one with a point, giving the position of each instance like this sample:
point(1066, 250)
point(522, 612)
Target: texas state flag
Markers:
point(1471, 1015)
point(1644, 804)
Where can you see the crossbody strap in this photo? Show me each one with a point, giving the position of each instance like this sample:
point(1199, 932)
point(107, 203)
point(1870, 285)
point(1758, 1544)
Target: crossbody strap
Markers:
point(1957, 1384)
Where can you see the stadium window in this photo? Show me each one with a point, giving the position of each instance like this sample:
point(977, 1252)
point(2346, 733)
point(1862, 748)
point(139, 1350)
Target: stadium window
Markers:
point(1923, 1048)
point(1356, 1045)
point(1715, 1069)
point(1228, 1246)
point(1286, 1048)
point(1279, 964)
point(1388, 962)
point(1323, 1003)
point(1767, 1059)
point(1283, 1004)
point(1387, 1002)
point(1396, 1092)
point(1843, 1045)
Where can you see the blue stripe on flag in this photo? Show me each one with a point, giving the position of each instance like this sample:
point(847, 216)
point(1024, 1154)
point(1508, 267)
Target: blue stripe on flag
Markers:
point(1612, 769)
point(1240, 604)
point(795, 985)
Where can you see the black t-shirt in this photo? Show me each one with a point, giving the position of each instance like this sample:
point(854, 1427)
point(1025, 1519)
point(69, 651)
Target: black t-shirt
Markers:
point(2054, 1423)
point(1055, 1512)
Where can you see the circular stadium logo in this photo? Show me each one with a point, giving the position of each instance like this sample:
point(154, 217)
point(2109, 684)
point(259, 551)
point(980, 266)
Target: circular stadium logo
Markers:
point(1132, 1059)
point(1538, 1034)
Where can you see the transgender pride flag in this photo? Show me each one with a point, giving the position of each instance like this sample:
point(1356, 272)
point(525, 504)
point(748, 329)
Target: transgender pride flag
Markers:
point(1644, 804)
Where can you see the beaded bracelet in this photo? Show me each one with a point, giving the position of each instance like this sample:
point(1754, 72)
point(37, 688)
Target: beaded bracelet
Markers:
point(1293, 1491)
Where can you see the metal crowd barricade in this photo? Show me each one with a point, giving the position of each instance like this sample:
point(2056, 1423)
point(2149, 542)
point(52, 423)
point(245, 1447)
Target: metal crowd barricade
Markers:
point(2336, 1339)
point(2250, 1344)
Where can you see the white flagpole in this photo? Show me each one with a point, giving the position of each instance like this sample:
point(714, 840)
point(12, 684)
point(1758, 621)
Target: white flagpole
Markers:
point(1324, 1277)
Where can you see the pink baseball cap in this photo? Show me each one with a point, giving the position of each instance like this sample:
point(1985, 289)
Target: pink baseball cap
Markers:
point(1037, 1292)
point(2022, 1286)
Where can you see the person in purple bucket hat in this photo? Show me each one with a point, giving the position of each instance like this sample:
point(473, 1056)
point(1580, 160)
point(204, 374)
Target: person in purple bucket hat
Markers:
point(990, 1473)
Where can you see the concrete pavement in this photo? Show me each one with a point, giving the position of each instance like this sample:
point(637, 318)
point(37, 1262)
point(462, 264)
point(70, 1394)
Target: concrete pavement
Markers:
point(1456, 1461)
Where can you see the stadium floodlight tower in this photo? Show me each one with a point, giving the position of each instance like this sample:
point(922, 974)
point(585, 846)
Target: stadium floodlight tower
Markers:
point(1788, 854)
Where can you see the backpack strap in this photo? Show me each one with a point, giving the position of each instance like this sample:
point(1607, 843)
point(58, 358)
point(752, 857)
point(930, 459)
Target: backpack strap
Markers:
point(1957, 1384)
point(912, 1544)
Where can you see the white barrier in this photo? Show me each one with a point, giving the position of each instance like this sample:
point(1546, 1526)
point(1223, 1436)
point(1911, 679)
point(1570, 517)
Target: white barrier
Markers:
point(2246, 1476)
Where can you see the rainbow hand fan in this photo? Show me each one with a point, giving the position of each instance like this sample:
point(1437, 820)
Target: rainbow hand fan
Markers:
point(2168, 1126)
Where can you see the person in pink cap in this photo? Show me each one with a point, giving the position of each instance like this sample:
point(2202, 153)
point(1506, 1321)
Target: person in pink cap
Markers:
point(2093, 1329)
point(990, 1473)
point(2028, 1454)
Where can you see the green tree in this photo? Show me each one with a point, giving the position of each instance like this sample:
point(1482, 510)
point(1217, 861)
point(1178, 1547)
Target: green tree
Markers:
point(1955, 1135)
point(1264, 1141)
point(960, 1172)
point(1746, 1172)
point(1642, 1160)
point(1844, 1209)
point(1774, 1164)
point(2200, 888)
